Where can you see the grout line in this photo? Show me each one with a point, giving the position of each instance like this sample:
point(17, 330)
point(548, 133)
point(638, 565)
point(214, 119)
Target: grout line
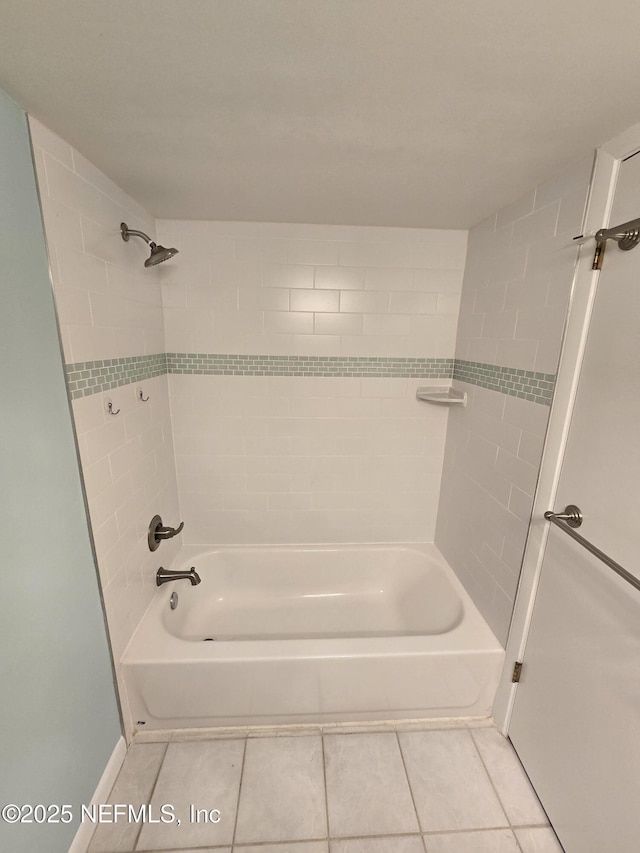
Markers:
point(235, 823)
point(413, 799)
point(433, 832)
point(326, 791)
point(251, 844)
point(384, 835)
point(366, 837)
point(205, 849)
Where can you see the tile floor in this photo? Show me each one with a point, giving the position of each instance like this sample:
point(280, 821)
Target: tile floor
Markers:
point(433, 787)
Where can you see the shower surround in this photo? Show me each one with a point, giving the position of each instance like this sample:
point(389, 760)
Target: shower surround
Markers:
point(517, 287)
point(281, 362)
point(110, 309)
point(327, 444)
point(295, 352)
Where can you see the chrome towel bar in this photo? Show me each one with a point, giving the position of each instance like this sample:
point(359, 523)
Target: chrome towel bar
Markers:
point(563, 520)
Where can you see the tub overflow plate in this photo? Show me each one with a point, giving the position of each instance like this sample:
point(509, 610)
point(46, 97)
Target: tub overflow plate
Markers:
point(173, 601)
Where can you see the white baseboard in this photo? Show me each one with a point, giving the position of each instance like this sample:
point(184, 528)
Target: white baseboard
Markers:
point(101, 794)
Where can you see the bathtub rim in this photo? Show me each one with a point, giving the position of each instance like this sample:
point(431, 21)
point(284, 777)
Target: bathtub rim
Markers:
point(152, 643)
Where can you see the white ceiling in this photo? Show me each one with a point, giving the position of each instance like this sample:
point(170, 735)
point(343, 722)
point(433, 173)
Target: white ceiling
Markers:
point(376, 112)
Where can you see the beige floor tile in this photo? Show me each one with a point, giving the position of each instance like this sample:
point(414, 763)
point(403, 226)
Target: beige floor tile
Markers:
point(516, 794)
point(450, 785)
point(282, 796)
point(491, 841)
point(205, 774)
point(133, 787)
point(390, 844)
point(367, 789)
point(371, 808)
point(538, 840)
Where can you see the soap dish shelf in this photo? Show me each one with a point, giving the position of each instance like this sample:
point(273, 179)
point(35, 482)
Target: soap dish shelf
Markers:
point(442, 396)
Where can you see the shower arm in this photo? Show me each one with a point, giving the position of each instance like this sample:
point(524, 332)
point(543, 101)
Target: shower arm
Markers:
point(128, 232)
point(158, 253)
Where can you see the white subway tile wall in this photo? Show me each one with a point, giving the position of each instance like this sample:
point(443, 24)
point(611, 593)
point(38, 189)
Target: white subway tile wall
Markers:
point(519, 273)
point(110, 306)
point(128, 467)
point(277, 289)
point(309, 459)
point(517, 284)
point(306, 459)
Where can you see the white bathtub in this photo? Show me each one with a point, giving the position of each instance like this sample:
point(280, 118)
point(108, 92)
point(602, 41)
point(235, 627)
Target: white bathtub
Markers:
point(311, 634)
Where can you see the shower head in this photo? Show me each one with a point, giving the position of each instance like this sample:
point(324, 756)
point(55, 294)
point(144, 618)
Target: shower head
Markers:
point(158, 253)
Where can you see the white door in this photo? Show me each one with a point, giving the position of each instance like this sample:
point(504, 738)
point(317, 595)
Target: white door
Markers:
point(576, 716)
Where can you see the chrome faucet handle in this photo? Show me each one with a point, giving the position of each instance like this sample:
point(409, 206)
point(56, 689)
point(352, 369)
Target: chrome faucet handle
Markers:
point(168, 532)
point(158, 532)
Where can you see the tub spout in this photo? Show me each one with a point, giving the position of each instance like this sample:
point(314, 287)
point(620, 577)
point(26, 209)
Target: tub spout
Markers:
point(165, 575)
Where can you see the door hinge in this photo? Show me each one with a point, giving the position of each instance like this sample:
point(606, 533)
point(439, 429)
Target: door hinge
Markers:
point(599, 255)
point(517, 669)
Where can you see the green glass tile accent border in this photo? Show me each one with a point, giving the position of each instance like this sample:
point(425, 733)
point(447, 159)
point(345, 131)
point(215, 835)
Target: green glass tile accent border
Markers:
point(92, 377)
point(526, 384)
point(309, 365)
